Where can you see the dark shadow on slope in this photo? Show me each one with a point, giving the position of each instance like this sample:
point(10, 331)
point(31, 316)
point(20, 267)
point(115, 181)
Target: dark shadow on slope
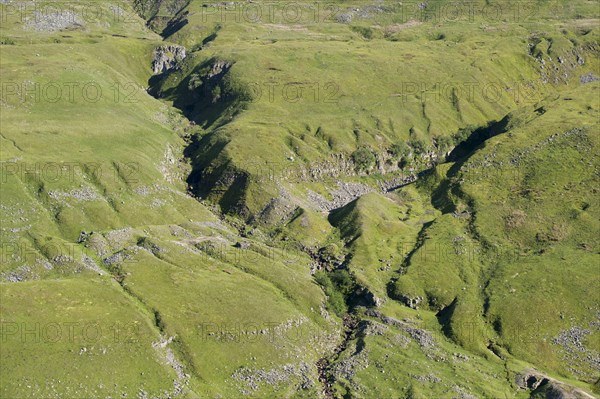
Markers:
point(233, 198)
point(207, 95)
point(213, 174)
point(202, 152)
point(361, 296)
point(175, 24)
point(463, 151)
point(213, 36)
point(361, 332)
point(444, 317)
point(207, 40)
point(346, 220)
point(391, 285)
point(162, 16)
point(440, 197)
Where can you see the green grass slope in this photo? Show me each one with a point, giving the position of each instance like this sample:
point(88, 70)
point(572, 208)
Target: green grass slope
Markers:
point(98, 229)
point(291, 95)
point(367, 201)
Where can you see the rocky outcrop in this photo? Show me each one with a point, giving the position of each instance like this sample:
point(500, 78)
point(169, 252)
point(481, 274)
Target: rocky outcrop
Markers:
point(560, 68)
point(530, 380)
point(167, 58)
point(251, 380)
point(411, 302)
point(542, 386)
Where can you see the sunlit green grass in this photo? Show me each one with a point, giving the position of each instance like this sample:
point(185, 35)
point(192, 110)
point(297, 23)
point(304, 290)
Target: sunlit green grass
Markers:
point(300, 92)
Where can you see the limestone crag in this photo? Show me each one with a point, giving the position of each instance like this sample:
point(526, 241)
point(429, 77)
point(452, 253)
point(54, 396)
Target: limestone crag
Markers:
point(167, 58)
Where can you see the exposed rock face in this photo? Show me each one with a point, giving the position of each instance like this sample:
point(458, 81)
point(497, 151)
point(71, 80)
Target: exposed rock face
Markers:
point(530, 380)
point(365, 297)
point(253, 379)
point(412, 303)
point(560, 68)
point(547, 387)
point(167, 58)
point(584, 361)
point(242, 245)
point(278, 209)
point(212, 82)
point(219, 68)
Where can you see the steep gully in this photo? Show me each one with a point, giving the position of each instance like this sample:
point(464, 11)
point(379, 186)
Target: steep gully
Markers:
point(459, 155)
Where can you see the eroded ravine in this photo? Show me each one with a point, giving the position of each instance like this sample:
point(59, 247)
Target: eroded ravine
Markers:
point(350, 324)
point(458, 156)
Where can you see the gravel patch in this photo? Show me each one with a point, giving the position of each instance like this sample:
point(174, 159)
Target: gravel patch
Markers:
point(588, 78)
point(254, 379)
point(81, 194)
point(343, 195)
point(42, 21)
point(581, 359)
point(422, 337)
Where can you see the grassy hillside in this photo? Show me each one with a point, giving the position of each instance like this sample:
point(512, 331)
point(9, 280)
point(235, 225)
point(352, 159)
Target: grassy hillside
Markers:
point(351, 199)
point(97, 223)
point(246, 81)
